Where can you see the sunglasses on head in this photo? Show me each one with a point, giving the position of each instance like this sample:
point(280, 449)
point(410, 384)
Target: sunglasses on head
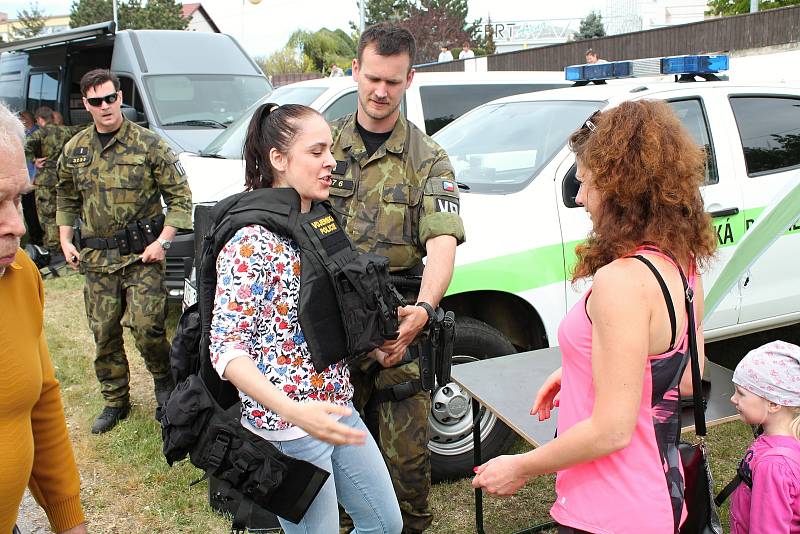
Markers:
point(96, 101)
point(589, 124)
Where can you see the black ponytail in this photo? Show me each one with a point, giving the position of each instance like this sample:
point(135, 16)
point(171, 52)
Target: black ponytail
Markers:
point(272, 126)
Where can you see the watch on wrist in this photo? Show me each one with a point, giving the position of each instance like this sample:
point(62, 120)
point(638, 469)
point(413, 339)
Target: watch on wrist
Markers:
point(429, 310)
point(165, 243)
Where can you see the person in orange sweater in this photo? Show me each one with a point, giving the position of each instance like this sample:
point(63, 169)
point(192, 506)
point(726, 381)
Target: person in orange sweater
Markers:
point(35, 450)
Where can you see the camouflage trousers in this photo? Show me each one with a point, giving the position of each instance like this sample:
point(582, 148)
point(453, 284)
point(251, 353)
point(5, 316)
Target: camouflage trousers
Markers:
point(134, 297)
point(46, 210)
point(401, 430)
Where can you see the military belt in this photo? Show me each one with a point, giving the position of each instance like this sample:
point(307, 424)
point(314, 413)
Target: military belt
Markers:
point(99, 243)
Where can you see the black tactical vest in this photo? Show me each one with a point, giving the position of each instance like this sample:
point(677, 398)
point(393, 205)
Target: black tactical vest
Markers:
point(347, 304)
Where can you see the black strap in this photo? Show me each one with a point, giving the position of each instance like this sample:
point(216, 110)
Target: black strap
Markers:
point(729, 488)
point(398, 392)
point(697, 385)
point(667, 298)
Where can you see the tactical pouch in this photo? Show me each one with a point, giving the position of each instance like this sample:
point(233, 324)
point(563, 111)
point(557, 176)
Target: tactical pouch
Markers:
point(194, 424)
point(444, 356)
point(363, 288)
point(151, 228)
point(123, 244)
point(135, 238)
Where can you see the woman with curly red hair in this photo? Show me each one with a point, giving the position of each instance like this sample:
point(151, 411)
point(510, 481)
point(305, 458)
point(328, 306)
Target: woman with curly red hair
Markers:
point(624, 344)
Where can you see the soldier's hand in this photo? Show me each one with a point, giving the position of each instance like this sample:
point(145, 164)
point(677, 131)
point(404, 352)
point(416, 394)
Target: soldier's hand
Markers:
point(153, 253)
point(315, 418)
point(412, 320)
point(39, 162)
point(71, 255)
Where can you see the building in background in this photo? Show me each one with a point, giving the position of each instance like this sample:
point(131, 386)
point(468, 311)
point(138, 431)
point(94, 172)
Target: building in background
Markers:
point(199, 19)
point(9, 28)
point(619, 16)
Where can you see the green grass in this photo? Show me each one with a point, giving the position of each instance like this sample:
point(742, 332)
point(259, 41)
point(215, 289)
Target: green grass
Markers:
point(127, 485)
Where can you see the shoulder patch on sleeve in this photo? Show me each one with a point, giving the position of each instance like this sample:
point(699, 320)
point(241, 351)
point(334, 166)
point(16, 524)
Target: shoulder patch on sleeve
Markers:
point(447, 205)
point(441, 185)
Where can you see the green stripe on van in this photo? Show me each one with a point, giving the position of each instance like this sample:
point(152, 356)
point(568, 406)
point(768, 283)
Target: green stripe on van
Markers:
point(531, 269)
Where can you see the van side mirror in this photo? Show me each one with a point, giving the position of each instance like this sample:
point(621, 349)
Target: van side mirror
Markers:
point(569, 187)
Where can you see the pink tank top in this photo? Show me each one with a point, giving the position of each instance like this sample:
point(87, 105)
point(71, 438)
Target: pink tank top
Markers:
point(639, 488)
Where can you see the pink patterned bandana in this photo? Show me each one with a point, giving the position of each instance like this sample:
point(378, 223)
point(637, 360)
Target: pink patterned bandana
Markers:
point(771, 371)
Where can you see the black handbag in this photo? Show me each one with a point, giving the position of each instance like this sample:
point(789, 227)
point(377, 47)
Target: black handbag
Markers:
point(702, 516)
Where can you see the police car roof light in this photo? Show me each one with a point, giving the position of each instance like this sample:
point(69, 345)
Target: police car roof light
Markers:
point(696, 64)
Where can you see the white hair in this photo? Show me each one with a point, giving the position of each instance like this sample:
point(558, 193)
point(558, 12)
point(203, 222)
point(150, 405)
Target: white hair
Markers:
point(10, 127)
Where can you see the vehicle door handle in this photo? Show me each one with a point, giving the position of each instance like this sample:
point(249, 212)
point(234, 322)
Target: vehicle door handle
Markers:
point(726, 212)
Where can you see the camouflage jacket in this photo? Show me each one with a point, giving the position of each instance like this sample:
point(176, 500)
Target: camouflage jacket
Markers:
point(109, 187)
point(47, 142)
point(397, 199)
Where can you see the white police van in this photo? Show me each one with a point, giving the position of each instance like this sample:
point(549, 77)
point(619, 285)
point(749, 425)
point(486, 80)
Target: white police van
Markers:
point(511, 285)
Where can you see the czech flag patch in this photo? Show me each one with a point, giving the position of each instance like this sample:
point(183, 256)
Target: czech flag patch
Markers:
point(448, 186)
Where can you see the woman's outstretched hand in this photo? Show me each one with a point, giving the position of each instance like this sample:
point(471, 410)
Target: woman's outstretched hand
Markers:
point(315, 418)
point(499, 476)
point(548, 396)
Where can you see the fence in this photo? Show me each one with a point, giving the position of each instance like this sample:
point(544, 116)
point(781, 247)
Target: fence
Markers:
point(284, 79)
point(740, 32)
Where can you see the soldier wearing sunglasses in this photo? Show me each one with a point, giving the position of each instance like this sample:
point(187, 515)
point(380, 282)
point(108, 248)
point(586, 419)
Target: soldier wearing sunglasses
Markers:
point(113, 176)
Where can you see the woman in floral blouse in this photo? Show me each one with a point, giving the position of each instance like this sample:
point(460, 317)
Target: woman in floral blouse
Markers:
point(257, 342)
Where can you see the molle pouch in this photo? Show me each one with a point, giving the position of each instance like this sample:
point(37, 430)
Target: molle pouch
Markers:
point(368, 310)
point(123, 244)
point(136, 238)
point(444, 358)
point(147, 229)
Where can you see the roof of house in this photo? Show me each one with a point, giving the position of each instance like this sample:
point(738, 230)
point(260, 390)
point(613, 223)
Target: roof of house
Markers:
point(188, 11)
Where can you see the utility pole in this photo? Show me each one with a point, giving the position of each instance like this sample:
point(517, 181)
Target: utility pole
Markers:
point(753, 6)
point(114, 11)
point(361, 15)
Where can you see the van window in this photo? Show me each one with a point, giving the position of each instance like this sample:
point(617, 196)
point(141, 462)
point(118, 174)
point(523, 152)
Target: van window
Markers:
point(517, 139)
point(220, 98)
point(131, 97)
point(43, 90)
point(344, 105)
point(693, 117)
point(769, 127)
point(442, 104)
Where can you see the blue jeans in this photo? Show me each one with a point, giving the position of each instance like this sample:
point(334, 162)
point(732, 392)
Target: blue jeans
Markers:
point(360, 482)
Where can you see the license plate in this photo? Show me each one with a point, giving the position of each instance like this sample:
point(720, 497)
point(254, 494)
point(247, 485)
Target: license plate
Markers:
point(189, 293)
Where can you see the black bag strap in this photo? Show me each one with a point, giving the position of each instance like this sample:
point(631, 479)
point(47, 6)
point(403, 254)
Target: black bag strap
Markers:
point(667, 298)
point(694, 356)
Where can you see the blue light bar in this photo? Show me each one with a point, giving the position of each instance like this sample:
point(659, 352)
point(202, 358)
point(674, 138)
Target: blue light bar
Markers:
point(694, 64)
point(697, 64)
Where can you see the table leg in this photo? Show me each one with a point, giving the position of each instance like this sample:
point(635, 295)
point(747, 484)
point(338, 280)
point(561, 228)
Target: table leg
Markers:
point(476, 448)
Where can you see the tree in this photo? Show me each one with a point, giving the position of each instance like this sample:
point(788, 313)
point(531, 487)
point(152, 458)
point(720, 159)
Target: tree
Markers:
point(591, 26)
point(488, 31)
point(323, 47)
point(738, 7)
point(433, 27)
point(286, 61)
point(32, 19)
point(385, 10)
point(131, 14)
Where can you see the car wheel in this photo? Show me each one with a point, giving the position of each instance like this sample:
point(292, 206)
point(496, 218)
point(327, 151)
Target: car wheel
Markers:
point(450, 420)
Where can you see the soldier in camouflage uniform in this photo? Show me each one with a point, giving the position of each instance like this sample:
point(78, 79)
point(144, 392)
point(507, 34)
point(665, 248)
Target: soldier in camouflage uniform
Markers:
point(395, 189)
point(112, 174)
point(44, 146)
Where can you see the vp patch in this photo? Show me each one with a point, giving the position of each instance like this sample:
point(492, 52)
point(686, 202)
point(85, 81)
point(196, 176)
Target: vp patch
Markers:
point(447, 205)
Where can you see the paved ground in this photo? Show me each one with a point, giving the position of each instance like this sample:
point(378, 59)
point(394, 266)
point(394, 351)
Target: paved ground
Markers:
point(32, 519)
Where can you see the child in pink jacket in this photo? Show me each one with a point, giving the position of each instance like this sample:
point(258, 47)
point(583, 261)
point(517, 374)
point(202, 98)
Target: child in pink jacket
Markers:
point(767, 393)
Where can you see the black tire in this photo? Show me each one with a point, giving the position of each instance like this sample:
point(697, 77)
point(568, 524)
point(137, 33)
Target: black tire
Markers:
point(451, 438)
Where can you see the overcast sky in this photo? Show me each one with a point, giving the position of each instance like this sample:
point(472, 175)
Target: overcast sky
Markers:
point(265, 27)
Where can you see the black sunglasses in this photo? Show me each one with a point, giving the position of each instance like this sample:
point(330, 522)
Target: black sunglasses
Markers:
point(96, 101)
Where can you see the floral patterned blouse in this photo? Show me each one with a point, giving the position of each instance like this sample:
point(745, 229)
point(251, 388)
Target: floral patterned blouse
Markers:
point(255, 315)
